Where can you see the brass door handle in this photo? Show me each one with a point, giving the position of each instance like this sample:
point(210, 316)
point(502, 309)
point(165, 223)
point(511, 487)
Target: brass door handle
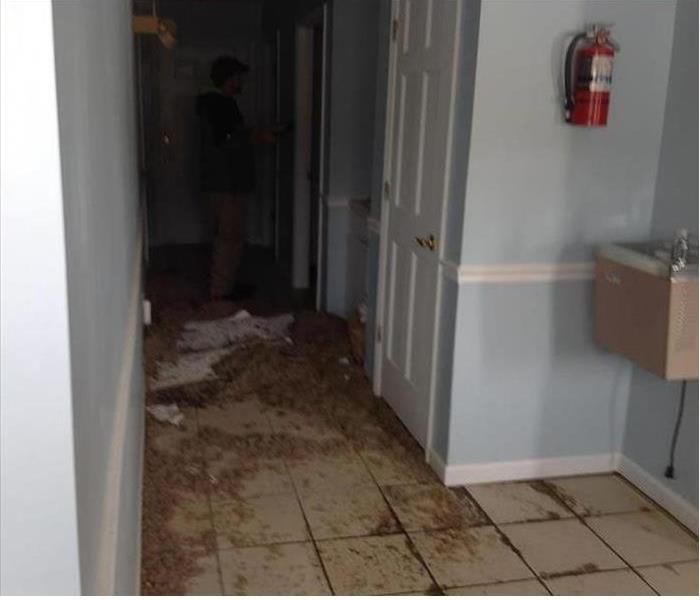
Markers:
point(427, 242)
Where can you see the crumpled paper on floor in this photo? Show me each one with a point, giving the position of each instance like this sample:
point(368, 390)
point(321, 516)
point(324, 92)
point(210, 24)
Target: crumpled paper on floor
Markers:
point(166, 413)
point(206, 335)
point(192, 367)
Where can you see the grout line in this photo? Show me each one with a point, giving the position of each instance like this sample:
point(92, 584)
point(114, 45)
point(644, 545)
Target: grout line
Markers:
point(651, 586)
point(402, 529)
point(670, 563)
point(551, 488)
point(564, 575)
point(312, 539)
point(476, 585)
point(507, 541)
point(297, 495)
point(656, 505)
point(344, 538)
point(219, 570)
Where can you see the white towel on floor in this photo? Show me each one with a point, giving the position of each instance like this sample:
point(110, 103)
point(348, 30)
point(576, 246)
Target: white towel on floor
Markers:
point(206, 335)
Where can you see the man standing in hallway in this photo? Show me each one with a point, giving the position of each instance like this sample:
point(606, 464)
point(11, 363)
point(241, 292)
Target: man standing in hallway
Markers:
point(227, 170)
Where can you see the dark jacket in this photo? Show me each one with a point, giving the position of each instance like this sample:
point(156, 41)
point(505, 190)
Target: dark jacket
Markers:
point(227, 161)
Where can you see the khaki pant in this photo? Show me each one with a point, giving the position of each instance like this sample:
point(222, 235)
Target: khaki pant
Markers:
point(229, 229)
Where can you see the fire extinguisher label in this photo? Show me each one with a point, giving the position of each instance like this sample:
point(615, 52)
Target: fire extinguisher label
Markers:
point(595, 74)
point(601, 73)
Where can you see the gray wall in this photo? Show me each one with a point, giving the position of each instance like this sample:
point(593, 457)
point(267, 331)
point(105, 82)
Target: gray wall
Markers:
point(352, 89)
point(96, 102)
point(653, 403)
point(352, 97)
point(528, 381)
point(208, 21)
point(38, 513)
point(676, 201)
point(573, 187)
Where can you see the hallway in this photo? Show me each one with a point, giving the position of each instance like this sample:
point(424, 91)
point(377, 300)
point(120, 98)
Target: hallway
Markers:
point(463, 236)
point(288, 477)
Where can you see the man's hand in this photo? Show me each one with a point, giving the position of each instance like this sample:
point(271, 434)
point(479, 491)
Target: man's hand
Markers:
point(271, 135)
point(282, 128)
point(263, 137)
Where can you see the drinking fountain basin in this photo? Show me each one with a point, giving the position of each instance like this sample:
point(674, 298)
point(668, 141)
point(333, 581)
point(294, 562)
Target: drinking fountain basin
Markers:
point(647, 312)
point(651, 257)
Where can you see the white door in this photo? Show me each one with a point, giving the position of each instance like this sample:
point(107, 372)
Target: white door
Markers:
point(420, 113)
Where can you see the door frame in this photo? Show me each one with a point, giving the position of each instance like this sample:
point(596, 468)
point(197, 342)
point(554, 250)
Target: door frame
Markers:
point(303, 116)
point(278, 118)
point(394, 25)
point(384, 212)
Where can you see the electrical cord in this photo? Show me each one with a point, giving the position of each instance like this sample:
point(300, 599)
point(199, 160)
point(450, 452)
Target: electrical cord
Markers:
point(670, 470)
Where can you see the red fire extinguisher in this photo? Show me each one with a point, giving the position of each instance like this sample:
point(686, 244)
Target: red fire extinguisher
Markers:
point(588, 77)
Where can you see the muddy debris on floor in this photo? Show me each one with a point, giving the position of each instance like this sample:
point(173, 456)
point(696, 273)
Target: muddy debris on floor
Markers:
point(168, 560)
point(194, 394)
point(317, 328)
point(324, 401)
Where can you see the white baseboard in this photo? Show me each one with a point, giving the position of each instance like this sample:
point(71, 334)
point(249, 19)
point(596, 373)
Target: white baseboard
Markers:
point(139, 530)
point(679, 507)
point(436, 463)
point(516, 470)
point(104, 582)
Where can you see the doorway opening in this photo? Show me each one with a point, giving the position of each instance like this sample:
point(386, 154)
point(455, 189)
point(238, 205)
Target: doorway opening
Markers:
point(310, 139)
point(279, 230)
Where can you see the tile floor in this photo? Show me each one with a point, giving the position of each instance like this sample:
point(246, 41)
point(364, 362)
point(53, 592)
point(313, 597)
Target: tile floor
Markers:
point(357, 517)
point(326, 525)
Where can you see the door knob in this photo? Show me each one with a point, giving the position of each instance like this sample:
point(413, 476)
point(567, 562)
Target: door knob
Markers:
point(427, 242)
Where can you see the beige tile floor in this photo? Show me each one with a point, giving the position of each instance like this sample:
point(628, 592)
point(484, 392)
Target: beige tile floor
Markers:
point(376, 521)
point(312, 487)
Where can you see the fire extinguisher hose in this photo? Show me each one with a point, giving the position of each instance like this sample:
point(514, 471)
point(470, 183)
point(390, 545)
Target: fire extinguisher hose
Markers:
point(568, 70)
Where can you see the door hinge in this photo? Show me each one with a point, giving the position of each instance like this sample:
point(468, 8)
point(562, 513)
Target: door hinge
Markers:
point(387, 190)
point(379, 333)
point(394, 29)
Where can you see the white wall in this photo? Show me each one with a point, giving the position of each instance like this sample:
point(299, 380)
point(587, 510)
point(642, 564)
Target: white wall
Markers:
point(38, 519)
point(96, 101)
